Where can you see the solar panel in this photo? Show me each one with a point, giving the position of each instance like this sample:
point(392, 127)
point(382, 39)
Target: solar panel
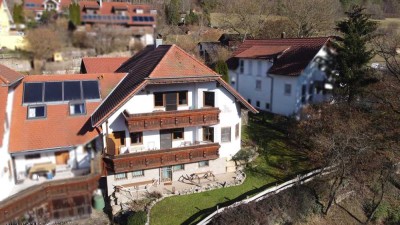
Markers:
point(72, 90)
point(33, 92)
point(146, 18)
point(151, 19)
point(140, 18)
point(90, 89)
point(53, 92)
point(135, 18)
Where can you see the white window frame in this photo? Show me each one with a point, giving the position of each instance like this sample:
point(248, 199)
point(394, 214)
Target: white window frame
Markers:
point(140, 174)
point(286, 92)
point(222, 135)
point(258, 85)
point(204, 163)
point(31, 116)
point(118, 176)
point(72, 104)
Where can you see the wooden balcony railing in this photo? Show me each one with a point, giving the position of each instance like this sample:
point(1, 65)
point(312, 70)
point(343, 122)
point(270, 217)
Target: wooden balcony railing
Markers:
point(172, 119)
point(159, 158)
point(55, 196)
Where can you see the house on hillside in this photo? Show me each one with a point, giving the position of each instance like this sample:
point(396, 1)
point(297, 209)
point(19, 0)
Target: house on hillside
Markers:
point(48, 146)
point(171, 116)
point(140, 18)
point(9, 38)
point(37, 7)
point(280, 75)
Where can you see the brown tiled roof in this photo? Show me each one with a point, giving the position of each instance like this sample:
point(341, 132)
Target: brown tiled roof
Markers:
point(58, 129)
point(163, 62)
point(101, 65)
point(262, 51)
point(292, 61)
point(9, 76)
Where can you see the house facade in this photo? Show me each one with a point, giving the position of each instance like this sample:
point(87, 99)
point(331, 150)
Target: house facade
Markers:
point(8, 38)
point(170, 116)
point(280, 75)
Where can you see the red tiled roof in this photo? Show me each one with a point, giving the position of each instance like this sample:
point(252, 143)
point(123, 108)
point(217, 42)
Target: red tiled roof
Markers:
point(292, 61)
point(107, 10)
point(9, 76)
point(58, 129)
point(101, 65)
point(163, 62)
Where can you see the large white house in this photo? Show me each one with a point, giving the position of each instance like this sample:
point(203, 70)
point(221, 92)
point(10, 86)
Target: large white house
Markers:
point(280, 75)
point(170, 116)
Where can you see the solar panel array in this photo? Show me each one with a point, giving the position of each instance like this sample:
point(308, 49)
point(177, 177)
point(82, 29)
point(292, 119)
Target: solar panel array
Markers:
point(142, 19)
point(61, 91)
point(105, 17)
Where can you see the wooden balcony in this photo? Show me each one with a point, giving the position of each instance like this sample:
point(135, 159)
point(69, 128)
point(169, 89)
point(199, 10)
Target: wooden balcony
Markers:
point(51, 201)
point(159, 158)
point(172, 119)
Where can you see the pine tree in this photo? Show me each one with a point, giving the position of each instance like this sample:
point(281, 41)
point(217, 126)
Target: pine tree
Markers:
point(222, 68)
point(18, 14)
point(353, 54)
point(75, 14)
point(172, 12)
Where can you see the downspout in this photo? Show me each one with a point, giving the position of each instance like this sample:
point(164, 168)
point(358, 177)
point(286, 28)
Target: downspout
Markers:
point(272, 91)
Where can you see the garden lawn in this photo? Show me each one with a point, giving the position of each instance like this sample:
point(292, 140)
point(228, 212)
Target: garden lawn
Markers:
point(276, 162)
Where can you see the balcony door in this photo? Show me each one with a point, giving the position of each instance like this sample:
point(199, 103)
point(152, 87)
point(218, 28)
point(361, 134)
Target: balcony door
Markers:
point(118, 137)
point(171, 101)
point(165, 139)
point(166, 174)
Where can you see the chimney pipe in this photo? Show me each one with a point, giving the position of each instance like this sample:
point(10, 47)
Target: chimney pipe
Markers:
point(283, 35)
point(159, 42)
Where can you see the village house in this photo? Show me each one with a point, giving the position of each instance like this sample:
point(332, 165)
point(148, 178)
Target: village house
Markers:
point(101, 64)
point(9, 37)
point(171, 116)
point(280, 75)
point(37, 7)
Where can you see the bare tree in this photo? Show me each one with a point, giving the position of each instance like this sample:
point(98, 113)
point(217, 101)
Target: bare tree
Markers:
point(310, 17)
point(245, 17)
point(42, 42)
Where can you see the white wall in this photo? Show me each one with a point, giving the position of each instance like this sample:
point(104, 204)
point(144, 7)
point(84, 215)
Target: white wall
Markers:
point(282, 103)
point(6, 172)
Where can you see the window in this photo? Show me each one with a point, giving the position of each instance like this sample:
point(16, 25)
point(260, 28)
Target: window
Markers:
point(77, 108)
point(158, 99)
point(136, 138)
point(266, 105)
point(178, 167)
point(225, 134)
point(208, 134)
point(258, 84)
point(138, 173)
point(120, 176)
point(204, 163)
point(177, 133)
point(183, 97)
point(209, 99)
point(32, 156)
point(36, 111)
point(249, 101)
point(288, 89)
point(237, 129)
point(241, 66)
point(259, 68)
point(250, 67)
point(258, 104)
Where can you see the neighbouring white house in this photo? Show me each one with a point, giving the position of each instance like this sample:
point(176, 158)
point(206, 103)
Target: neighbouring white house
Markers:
point(170, 116)
point(280, 75)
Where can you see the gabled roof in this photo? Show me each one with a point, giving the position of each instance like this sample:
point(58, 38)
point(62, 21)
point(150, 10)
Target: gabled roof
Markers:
point(260, 52)
point(9, 76)
point(3, 105)
point(101, 65)
point(290, 62)
point(58, 129)
point(166, 62)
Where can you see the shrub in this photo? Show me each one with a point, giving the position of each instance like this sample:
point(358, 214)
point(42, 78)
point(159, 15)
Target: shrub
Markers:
point(153, 195)
point(138, 218)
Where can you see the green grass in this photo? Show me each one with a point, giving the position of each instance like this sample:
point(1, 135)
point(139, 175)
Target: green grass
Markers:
point(276, 162)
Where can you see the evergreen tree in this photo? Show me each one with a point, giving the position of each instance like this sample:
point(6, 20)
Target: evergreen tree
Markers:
point(75, 14)
point(172, 12)
point(353, 54)
point(18, 14)
point(222, 68)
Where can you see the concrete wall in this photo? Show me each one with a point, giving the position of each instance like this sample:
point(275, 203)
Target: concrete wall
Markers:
point(217, 166)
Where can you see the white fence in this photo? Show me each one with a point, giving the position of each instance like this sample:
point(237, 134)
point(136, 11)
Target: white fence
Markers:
point(271, 191)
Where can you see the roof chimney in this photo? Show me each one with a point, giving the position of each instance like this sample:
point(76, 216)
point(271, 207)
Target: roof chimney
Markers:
point(159, 41)
point(283, 35)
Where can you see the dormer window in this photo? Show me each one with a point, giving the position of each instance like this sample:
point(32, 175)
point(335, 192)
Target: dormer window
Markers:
point(77, 108)
point(36, 111)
